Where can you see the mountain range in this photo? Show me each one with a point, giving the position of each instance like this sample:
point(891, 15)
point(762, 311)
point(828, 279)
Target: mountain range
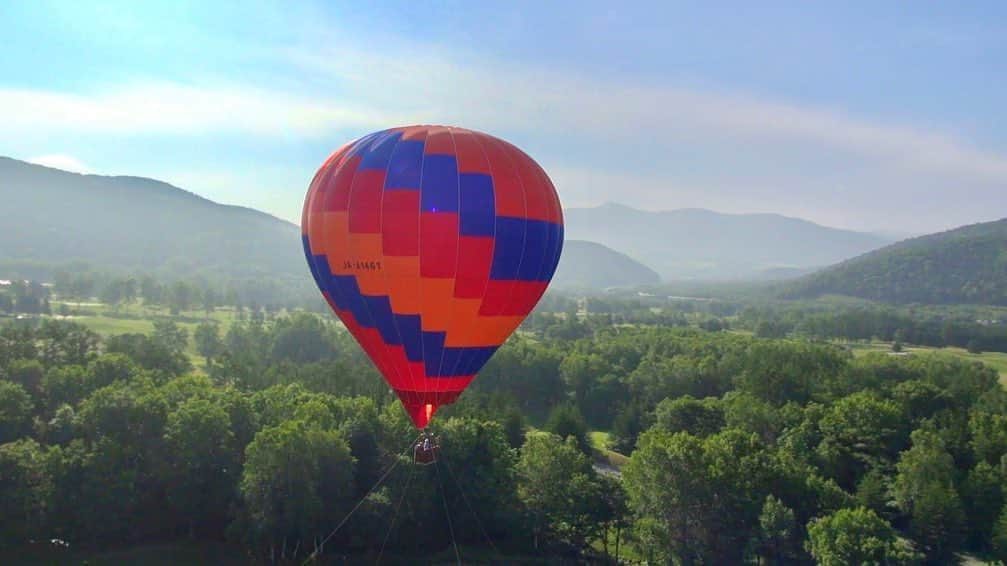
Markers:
point(142, 225)
point(706, 245)
point(138, 224)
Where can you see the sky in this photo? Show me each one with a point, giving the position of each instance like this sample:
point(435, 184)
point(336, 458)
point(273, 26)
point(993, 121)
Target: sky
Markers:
point(880, 116)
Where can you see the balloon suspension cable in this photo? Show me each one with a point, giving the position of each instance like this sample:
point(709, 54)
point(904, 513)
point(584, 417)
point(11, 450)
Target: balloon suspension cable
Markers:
point(395, 516)
point(314, 555)
point(472, 510)
point(447, 513)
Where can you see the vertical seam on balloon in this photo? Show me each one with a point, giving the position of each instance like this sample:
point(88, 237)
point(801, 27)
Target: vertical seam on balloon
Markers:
point(352, 249)
point(522, 156)
point(384, 276)
point(419, 258)
point(524, 235)
point(387, 276)
point(458, 239)
point(478, 137)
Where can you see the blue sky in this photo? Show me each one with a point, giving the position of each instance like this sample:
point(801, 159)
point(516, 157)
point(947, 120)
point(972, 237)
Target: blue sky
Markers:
point(867, 115)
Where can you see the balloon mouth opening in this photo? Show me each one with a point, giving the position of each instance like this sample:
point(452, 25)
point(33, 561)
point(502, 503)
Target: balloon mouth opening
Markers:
point(421, 406)
point(421, 413)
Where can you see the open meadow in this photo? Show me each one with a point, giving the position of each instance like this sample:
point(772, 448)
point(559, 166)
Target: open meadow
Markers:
point(139, 318)
point(996, 360)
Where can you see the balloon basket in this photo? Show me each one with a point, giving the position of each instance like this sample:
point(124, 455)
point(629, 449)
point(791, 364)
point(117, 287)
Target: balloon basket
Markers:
point(426, 451)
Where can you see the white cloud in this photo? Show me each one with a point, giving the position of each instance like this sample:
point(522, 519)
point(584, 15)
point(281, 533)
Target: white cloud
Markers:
point(61, 161)
point(172, 108)
point(698, 146)
point(495, 97)
point(665, 146)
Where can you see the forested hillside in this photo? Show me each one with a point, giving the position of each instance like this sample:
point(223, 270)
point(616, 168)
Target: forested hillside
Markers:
point(587, 265)
point(964, 265)
point(141, 225)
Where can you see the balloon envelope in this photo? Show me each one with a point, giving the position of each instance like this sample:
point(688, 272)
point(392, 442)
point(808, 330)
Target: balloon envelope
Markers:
point(432, 244)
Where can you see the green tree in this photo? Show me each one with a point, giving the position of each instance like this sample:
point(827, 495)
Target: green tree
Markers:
point(62, 427)
point(112, 294)
point(149, 353)
point(151, 291)
point(989, 435)
point(924, 489)
point(297, 481)
point(630, 420)
point(560, 491)
point(697, 500)
point(180, 297)
point(699, 417)
point(171, 335)
point(926, 463)
point(938, 523)
point(617, 516)
point(566, 421)
point(110, 493)
point(855, 536)
point(66, 385)
point(208, 342)
point(129, 290)
point(110, 368)
point(920, 399)
point(302, 338)
point(872, 492)
point(63, 343)
point(770, 329)
point(983, 498)
point(210, 301)
point(859, 432)
point(29, 374)
point(774, 540)
point(131, 414)
point(746, 412)
point(15, 411)
point(779, 371)
point(481, 483)
point(999, 539)
point(202, 469)
point(25, 487)
point(17, 343)
point(581, 374)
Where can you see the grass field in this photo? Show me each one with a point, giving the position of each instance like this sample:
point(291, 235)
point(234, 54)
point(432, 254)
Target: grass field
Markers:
point(996, 360)
point(136, 318)
point(599, 442)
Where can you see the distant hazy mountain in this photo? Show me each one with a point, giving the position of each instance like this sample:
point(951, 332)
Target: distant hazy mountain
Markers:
point(50, 216)
point(132, 223)
point(964, 265)
point(702, 244)
point(589, 265)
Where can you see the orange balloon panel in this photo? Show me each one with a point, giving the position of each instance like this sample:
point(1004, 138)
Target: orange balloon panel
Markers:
point(432, 244)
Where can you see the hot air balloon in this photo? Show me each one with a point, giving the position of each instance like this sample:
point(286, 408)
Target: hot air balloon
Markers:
point(431, 244)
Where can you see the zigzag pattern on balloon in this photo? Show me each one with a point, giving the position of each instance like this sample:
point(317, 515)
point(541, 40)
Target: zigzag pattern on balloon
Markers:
point(432, 244)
